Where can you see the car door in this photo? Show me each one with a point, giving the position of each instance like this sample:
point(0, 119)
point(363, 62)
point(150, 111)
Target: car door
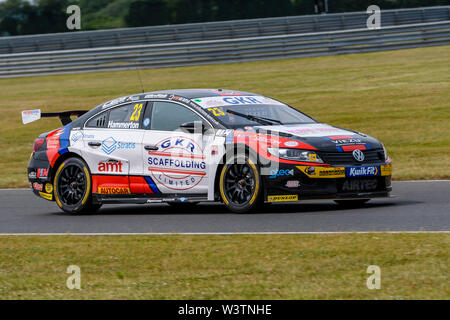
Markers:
point(112, 147)
point(175, 161)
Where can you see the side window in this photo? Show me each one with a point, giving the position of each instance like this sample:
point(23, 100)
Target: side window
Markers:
point(126, 117)
point(167, 116)
point(98, 121)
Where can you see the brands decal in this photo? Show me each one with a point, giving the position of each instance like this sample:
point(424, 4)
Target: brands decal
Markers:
point(291, 143)
point(110, 166)
point(217, 101)
point(32, 175)
point(343, 140)
point(359, 185)
point(113, 190)
point(292, 184)
point(358, 155)
point(179, 163)
point(114, 102)
point(278, 173)
point(362, 171)
point(282, 198)
point(322, 172)
point(123, 125)
point(109, 145)
point(77, 136)
point(314, 130)
point(48, 188)
point(386, 170)
point(38, 186)
point(42, 173)
point(156, 96)
point(47, 196)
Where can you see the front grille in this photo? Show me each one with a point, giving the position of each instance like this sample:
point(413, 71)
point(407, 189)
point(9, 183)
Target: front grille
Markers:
point(370, 156)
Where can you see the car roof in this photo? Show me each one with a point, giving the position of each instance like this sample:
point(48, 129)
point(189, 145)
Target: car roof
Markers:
point(202, 93)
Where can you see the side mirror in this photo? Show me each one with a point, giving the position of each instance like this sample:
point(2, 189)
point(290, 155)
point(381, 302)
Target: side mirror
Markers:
point(193, 127)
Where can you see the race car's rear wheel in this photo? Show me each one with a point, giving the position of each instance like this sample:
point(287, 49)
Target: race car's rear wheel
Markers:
point(73, 187)
point(240, 185)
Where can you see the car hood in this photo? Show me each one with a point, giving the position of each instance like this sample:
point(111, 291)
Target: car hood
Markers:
point(324, 137)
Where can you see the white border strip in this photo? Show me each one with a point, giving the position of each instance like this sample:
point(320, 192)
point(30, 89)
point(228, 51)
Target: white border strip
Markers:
point(219, 233)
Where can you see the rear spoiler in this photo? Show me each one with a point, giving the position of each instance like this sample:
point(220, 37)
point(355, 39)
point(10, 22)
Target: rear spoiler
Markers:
point(33, 115)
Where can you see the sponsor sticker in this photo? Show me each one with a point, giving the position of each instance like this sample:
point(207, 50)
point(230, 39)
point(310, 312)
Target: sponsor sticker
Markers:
point(109, 145)
point(47, 196)
point(38, 186)
point(283, 198)
point(77, 136)
point(291, 143)
point(49, 188)
point(359, 185)
point(322, 172)
point(123, 125)
point(207, 102)
point(281, 172)
point(292, 184)
point(113, 190)
point(179, 163)
point(368, 171)
point(30, 115)
point(42, 173)
point(146, 122)
point(32, 175)
point(110, 166)
point(386, 170)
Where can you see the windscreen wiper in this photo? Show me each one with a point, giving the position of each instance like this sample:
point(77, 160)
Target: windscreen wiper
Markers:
point(262, 120)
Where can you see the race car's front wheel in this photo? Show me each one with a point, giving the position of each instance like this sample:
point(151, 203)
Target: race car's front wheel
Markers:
point(240, 185)
point(73, 187)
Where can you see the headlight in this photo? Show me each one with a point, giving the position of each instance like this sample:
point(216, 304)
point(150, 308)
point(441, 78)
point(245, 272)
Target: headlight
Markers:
point(295, 154)
point(385, 152)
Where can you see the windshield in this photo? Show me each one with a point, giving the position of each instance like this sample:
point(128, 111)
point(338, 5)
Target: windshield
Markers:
point(239, 116)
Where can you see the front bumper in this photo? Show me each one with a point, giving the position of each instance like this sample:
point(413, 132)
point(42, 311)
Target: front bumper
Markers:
point(296, 183)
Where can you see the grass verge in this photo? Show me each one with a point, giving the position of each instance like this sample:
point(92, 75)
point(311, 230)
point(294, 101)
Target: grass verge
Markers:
point(400, 97)
point(332, 266)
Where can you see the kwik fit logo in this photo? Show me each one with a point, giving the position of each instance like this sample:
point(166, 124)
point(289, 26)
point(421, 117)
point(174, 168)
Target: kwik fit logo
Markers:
point(362, 171)
point(109, 145)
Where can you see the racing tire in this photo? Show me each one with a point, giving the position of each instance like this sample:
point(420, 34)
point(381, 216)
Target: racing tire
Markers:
point(240, 185)
point(352, 203)
point(73, 186)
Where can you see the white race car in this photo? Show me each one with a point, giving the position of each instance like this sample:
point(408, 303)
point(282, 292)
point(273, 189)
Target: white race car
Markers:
point(192, 145)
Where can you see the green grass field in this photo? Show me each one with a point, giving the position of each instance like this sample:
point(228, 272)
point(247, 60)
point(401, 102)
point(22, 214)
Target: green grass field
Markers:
point(400, 97)
point(413, 266)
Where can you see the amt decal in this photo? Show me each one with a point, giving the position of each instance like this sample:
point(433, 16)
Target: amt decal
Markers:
point(180, 165)
point(107, 166)
point(362, 171)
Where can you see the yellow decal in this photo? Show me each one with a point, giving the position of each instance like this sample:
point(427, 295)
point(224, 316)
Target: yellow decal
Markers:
point(312, 157)
point(47, 196)
point(48, 188)
point(113, 190)
point(322, 172)
point(216, 112)
point(288, 197)
point(136, 113)
point(386, 170)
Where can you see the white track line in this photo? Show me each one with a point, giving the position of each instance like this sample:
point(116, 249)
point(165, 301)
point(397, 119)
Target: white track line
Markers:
point(22, 189)
point(217, 233)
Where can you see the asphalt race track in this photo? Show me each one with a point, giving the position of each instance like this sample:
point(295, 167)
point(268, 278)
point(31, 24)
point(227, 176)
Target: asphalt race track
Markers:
point(418, 206)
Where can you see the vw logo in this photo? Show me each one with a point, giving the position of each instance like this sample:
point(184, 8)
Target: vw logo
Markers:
point(358, 155)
